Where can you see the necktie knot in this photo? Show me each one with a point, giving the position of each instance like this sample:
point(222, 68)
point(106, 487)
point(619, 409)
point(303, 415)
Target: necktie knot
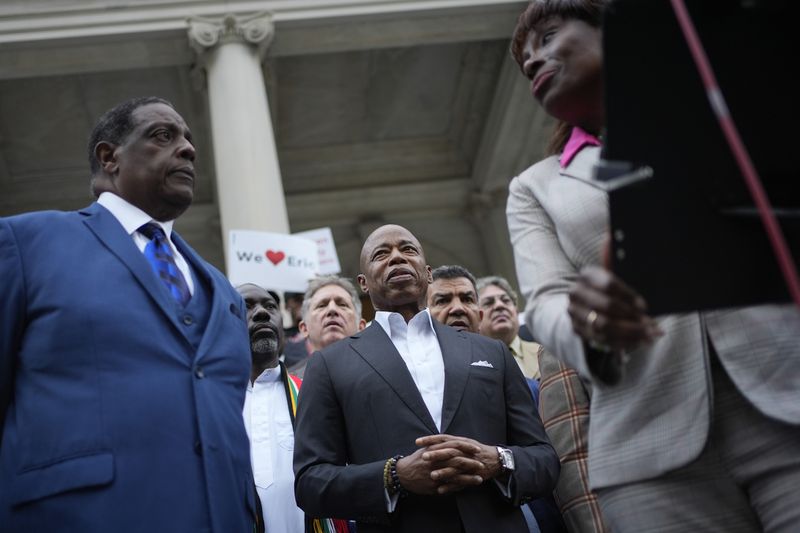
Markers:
point(151, 230)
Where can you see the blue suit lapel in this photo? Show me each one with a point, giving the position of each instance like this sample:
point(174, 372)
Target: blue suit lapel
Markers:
point(111, 233)
point(375, 347)
point(456, 355)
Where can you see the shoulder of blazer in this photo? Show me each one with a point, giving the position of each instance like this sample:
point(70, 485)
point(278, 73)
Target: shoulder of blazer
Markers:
point(38, 219)
point(547, 167)
point(53, 225)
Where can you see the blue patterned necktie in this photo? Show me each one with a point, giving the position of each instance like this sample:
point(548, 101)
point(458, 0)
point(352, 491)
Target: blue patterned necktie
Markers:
point(159, 254)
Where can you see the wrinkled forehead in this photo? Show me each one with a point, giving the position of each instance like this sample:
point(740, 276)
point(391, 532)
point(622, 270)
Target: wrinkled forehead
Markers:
point(388, 236)
point(493, 291)
point(331, 291)
point(157, 113)
point(452, 286)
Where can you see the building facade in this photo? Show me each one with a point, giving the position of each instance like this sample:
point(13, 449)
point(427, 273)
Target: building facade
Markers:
point(306, 113)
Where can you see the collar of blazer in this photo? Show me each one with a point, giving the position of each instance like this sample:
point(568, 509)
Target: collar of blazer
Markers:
point(582, 166)
point(376, 348)
point(112, 235)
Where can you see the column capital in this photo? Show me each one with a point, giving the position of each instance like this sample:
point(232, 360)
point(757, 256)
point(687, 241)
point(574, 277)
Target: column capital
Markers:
point(207, 32)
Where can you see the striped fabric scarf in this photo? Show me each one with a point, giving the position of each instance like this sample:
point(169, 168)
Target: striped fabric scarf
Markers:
point(313, 525)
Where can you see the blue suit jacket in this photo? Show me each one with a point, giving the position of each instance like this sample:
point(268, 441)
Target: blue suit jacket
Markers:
point(113, 420)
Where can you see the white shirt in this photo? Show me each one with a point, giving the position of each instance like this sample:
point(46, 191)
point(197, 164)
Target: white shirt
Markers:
point(132, 218)
point(420, 350)
point(267, 421)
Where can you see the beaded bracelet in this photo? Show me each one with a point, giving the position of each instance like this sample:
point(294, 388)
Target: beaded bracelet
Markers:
point(387, 476)
point(391, 481)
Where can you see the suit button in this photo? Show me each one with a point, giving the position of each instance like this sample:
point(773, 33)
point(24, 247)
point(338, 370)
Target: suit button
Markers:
point(198, 371)
point(198, 448)
point(188, 320)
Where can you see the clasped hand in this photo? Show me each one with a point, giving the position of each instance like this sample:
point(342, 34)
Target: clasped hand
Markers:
point(446, 463)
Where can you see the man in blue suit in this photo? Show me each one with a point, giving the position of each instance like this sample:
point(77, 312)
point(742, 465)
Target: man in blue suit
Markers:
point(124, 357)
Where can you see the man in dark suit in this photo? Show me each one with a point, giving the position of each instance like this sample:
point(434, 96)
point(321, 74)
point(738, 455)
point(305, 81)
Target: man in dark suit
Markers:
point(413, 426)
point(124, 357)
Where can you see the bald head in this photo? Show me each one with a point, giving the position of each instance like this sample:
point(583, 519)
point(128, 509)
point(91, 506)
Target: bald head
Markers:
point(379, 235)
point(393, 270)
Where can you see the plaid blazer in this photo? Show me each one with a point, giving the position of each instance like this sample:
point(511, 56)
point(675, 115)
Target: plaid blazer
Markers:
point(656, 417)
point(564, 407)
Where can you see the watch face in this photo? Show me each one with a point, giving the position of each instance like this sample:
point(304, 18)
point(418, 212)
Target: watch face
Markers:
point(508, 459)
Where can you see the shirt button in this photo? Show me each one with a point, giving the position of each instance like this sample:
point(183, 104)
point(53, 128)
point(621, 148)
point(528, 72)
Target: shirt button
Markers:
point(188, 320)
point(198, 371)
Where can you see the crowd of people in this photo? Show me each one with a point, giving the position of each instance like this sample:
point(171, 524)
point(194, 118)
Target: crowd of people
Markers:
point(140, 391)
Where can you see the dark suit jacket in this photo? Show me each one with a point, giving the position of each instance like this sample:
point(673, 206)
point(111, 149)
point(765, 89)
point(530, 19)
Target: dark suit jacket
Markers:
point(113, 420)
point(359, 406)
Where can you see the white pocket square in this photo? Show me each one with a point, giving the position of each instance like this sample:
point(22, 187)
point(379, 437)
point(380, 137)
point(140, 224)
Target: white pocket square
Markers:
point(486, 364)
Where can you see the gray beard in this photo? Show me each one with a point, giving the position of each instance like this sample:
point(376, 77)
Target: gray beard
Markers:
point(265, 346)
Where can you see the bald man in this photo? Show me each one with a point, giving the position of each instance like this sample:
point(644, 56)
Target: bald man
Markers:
point(411, 425)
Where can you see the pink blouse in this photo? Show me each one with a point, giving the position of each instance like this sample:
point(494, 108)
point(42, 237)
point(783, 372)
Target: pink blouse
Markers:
point(577, 140)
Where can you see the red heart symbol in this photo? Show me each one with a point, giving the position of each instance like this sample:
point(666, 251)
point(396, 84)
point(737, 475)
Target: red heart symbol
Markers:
point(275, 257)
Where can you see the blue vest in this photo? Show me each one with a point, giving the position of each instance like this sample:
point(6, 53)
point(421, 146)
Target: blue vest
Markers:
point(194, 317)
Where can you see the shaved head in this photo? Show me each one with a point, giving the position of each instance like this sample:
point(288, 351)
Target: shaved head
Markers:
point(393, 270)
point(369, 244)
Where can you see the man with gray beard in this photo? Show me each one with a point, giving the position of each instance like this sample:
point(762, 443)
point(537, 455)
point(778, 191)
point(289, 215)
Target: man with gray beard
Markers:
point(267, 418)
point(269, 408)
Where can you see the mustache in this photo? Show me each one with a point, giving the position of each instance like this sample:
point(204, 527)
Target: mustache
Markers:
point(258, 326)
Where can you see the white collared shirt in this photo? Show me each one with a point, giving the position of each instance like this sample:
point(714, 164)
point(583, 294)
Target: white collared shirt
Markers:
point(132, 218)
point(418, 346)
point(269, 426)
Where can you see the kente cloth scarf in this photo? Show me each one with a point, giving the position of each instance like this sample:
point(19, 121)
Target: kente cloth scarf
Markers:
point(313, 525)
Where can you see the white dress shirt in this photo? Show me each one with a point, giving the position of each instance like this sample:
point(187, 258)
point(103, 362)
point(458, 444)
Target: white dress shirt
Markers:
point(269, 426)
point(419, 347)
point(420, 350)
point(132, 218)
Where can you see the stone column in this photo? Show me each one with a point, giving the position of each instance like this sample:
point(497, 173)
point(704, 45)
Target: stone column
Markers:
point(249, 186)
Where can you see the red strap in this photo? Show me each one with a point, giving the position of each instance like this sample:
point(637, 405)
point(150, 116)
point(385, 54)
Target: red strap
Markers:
point(720, 108)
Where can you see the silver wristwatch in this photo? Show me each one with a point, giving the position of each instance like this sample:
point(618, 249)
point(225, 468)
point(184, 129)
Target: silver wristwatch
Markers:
point(506, 459)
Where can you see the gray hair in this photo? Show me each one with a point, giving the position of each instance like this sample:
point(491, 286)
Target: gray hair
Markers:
point(497, 281)
point(323, 281)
